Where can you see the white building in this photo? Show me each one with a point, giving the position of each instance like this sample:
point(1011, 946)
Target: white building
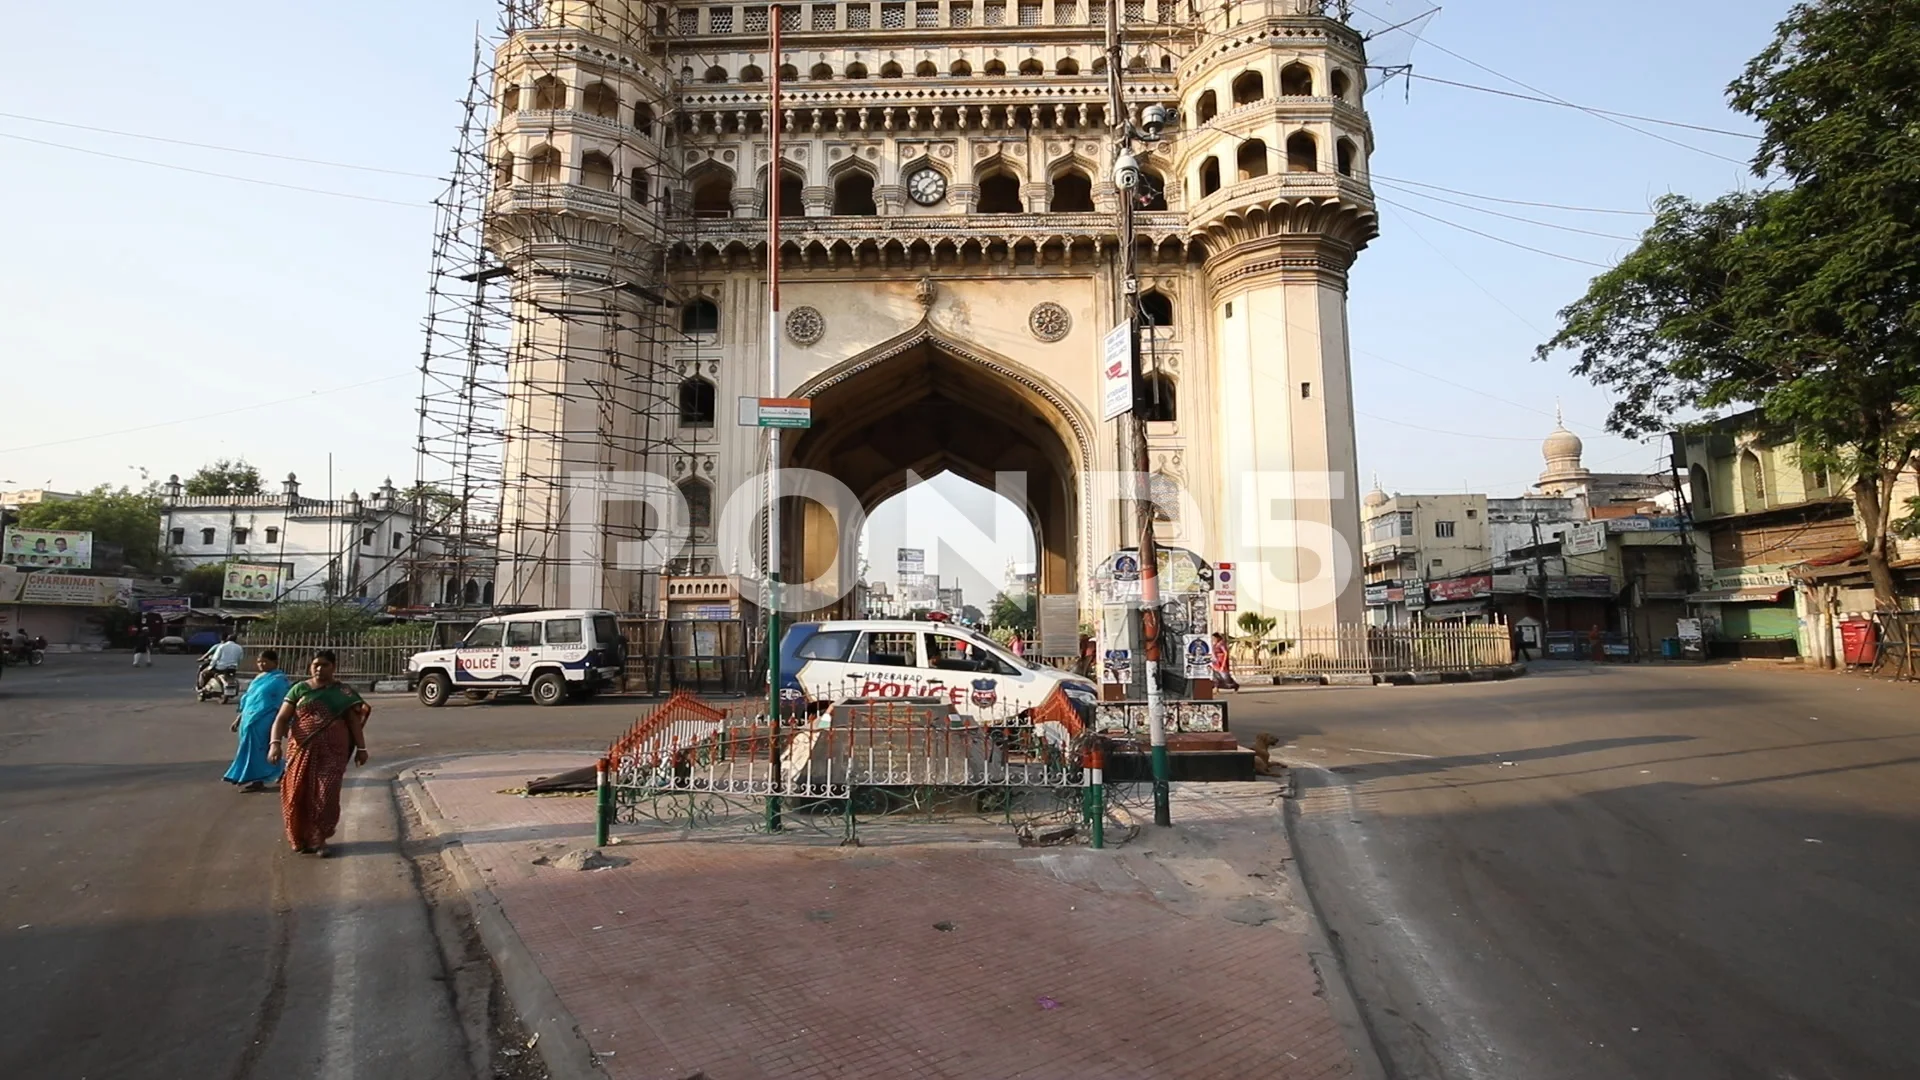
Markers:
point(352, 548)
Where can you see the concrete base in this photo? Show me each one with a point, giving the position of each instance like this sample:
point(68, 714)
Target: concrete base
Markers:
point(1348, 680)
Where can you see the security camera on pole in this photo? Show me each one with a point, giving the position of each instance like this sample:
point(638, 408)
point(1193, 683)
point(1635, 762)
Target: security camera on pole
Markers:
point(1126, 177)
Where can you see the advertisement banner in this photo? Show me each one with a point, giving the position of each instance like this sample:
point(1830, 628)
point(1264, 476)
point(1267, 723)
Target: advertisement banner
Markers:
point(1116, 666)
point(1199, 657)
point(67, 590)
point(1376, 595)
point(65, 549)
point(167, 607)
point(1466, 588)
point(1116, 372)
point(254, 583)
point(1589, 539)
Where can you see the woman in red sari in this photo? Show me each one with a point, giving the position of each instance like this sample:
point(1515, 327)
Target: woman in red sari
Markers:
point(321, 724)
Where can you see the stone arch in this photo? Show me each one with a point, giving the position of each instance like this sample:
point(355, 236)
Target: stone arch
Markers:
point(1345, 155)
point(1159, 398)
point(696, 394)
point(1303, 152)
point(856, 70)
point(503, 171)
point(1251, 159)
point(1067, 66)
point(1248, 87)
point(712, 186)
point(544, 165)
point(639, 185)
point(820, 72)
point(510, 99)
point(1031, 66)
point(1206, 107)
point(643, 117)
point(549, 93)
point(1296, 80)
point(752, 74)
point(853, 184)
point(891, 70)
point(1700, 487)
point(960, 69)
point(700, 315)
point(995, 67)
point(925, 69)
point(997, 182)
point(1156, 308)
point(596, 170)
point(1341, 84)
point(600, 100)
point(1209, 179)
point(789, 73)
point(1070, 185)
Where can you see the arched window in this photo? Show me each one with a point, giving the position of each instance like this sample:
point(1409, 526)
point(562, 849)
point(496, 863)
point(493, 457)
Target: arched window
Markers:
point(510, 99)
point(602, 101)
point(890, 70)
point(1701, 489)
point(596, 171)
point(639, 186)
point(1343, 156)
point(1248, 87)
point(1296, 80)
point(700, 316)
point(995, 67)
point(472, 593)
point(643, 117)
point(1099, 66)
point(543, 166)
point(1067, 66)
point(1166, 61)
point(1251, 159)
point(1342, 84)
point(1209, 176)
point(549, 93)
point(716, 74)
point(853, 195)
point(1031, 66)
point(1205, 109)
point(1164, 490)
point(1303, 153)
point(696, 403)
point(486, 593)
point(699, 496)
point(1138, 63)
point(856, 70)
point(925, 69)
point(1000, 194)
point(1157, 398)
point(751, 73)
point(1156, 309)
point(820, 71)
point(792, 195)
point(960, 69)
point(1072, 193)
point(1152, 192)
point(789, 73)
point(1753, 481)
point(1815, 481)
point(713, 194)
point(503, 171)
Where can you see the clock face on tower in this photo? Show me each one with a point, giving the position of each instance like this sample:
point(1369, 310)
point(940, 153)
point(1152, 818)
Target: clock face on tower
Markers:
point(927, 186)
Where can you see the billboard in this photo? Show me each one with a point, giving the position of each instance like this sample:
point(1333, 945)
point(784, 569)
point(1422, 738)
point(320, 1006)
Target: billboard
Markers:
point(65, 549)
point(1584, 539)
point(76, 590)
point(253, 582)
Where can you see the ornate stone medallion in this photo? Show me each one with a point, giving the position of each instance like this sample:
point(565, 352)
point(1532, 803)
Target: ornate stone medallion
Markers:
point(806, 326)
point(1048, 321)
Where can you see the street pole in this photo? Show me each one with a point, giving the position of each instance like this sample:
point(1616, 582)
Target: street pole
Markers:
point(773, 433)
point(1127, 303)
point(1540, 572)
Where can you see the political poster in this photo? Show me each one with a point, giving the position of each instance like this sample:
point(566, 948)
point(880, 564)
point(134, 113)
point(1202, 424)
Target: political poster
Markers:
point(253, 583)
point(1116, 666)
point(63, 549)
point(1199, 656)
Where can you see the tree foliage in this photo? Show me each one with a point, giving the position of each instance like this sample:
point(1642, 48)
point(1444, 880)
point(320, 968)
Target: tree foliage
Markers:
point(224, 477)
point(121, 516)
point(1013, 611)
point(1801, 301)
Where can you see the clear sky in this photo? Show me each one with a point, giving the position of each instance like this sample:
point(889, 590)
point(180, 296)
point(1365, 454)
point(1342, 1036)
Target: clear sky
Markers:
point(141, 302)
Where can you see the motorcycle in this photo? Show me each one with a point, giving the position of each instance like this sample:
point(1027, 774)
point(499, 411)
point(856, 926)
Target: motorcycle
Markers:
point(31, 653)
point(210, 684)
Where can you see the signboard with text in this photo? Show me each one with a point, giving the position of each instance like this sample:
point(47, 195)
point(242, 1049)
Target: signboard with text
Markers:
point(1466, 588)
point(65, 590)
point(1116, 372)
point(1588, 539)
point(64, 549)
point(770, 412)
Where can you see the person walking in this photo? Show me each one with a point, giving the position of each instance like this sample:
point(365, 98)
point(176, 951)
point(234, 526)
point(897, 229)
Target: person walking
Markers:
point(1222, 663)
point(1018, 645)
point(320, 725)
point(142, 646)
point(251, 771)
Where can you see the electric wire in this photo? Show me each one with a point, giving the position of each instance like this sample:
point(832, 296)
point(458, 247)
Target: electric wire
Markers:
point(1509, 217)
point(1494, 238)
point(1510, 202)
point(220, 148)
point(418, 205)
point(205, 416)
point(1582, 108)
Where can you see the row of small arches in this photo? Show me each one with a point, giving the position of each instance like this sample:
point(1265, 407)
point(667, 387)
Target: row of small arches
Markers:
point(1251, 160)
point(701, 315)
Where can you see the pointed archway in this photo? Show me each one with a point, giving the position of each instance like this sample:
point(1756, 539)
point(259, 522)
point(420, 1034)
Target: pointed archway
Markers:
point(921, 404)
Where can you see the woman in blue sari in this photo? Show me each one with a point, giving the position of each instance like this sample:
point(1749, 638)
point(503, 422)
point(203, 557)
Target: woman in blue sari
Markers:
point(251, 769)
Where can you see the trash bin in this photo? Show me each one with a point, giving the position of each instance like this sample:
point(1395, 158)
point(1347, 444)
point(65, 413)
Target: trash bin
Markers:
point(1859, 641)
point(1670, 648)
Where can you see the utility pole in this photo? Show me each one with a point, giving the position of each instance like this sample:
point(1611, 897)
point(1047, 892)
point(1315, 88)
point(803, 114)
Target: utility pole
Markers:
point(773, 433)
point(1540, 573)
point(1126, 179)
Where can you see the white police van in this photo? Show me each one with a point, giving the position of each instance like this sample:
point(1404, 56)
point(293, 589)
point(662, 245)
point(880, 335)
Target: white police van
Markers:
point(822, 661)
point(551, 655)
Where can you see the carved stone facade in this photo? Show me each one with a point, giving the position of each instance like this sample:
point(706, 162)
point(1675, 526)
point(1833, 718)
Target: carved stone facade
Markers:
point(950, 224)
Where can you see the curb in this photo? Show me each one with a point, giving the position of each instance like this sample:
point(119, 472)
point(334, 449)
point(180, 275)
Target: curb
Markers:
point(1326, 957)
point(563, 1048)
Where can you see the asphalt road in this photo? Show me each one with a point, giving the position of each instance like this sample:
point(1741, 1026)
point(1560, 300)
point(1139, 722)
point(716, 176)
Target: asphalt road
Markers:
point(152, 921)
point(1646, 872)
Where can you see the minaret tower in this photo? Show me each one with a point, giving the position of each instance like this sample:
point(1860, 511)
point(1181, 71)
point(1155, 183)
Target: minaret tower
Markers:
point(572, 218)
point(1274, 166)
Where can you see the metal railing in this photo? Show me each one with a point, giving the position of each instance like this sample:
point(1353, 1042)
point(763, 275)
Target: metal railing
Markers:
point(1368, 650)
point(377, 654)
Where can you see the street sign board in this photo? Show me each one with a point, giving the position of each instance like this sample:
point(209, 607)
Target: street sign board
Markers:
point(1584, 539)
point(776, 412)
point(1059, 618)
point(1116, 372)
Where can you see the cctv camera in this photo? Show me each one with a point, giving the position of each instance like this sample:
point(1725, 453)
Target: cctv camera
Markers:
point(1153, 118)
point(1126, 171)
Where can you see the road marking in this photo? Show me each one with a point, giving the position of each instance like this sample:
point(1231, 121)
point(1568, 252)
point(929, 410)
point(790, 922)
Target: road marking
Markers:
point(1387, 753)
point(359, 811)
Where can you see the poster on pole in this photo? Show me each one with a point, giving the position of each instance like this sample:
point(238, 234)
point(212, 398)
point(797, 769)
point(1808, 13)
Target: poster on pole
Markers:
point(1199, 657)
point(1116, 372)
point(254, 583)
point(1116, 667)
point(65, 549)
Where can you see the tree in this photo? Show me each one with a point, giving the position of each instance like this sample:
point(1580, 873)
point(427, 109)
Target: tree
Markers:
point(1013, 612)
point(224, 477)
point(119, 516)
point(1801, 302)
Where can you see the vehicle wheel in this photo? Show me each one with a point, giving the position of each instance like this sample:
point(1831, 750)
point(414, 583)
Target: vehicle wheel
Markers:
point(434, 689)
point(549, 689)
point(35, 658)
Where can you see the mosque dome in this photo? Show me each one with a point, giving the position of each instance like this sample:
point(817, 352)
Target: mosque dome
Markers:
point(1562, 445)
point(1376, 498)
point(1562, 449)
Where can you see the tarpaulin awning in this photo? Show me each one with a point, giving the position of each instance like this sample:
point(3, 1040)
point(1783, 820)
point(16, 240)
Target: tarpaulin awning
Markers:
point(1752, 594)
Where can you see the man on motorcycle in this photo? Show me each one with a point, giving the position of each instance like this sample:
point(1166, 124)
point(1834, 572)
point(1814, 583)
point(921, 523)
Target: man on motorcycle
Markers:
point(221, 661)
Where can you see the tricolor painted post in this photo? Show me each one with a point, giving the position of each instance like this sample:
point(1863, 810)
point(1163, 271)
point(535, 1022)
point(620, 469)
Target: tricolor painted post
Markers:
point(1096, 777)
point(773, 433)
point(603, 802)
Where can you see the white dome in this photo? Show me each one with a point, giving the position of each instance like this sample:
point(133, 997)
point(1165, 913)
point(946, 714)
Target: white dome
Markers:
point(1562, 445)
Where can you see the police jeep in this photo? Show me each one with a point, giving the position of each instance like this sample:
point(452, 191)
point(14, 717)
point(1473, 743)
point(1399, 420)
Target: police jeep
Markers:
point(550, 655)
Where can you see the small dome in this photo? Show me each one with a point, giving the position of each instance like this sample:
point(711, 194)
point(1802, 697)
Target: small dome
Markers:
point(1562, 445)
point(1375, 498)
